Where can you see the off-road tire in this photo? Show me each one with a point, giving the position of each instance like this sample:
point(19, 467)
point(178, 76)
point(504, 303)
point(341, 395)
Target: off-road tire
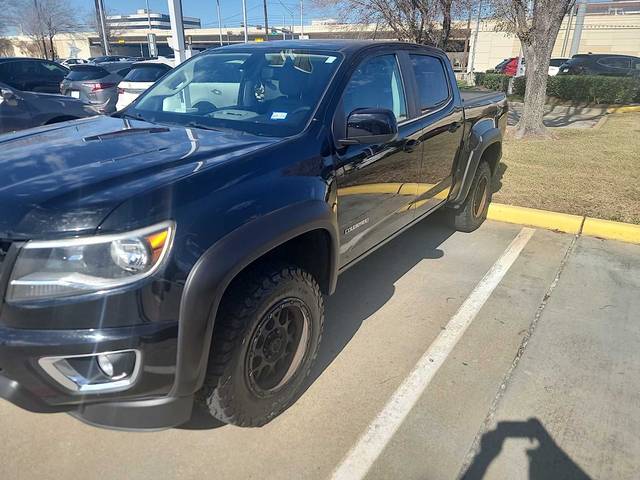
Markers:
point(227, 392)
point(473, 212)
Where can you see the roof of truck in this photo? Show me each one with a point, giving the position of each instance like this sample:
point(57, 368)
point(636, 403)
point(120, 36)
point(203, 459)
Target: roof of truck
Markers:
point(345, 46)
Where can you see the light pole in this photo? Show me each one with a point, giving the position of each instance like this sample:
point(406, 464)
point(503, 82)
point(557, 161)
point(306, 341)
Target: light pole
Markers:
point(103, 27)
point(219, 20)
point(301, 18)
point(475, 41)
point(177, 30)
point(244, 21)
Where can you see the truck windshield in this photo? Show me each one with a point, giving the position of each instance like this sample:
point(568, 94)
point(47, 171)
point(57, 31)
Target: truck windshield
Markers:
point(270, 92)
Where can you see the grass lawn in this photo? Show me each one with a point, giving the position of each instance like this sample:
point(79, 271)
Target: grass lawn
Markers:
point(593, 172)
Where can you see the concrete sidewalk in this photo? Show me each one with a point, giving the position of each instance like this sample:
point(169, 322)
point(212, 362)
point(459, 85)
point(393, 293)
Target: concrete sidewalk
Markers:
point(561, 116)
point(572, 408)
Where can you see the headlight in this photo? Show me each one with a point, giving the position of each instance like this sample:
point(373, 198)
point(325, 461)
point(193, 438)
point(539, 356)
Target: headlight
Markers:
point(63, 268)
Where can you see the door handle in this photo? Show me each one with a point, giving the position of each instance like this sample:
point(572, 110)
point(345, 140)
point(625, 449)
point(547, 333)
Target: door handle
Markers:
point(455, 126)
point(410, 145)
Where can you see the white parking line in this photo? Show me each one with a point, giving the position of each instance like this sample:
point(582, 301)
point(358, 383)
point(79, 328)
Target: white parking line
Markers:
point(370, 445)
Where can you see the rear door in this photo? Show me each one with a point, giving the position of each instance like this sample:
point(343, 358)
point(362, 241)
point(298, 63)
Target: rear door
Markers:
point(52, 75)
point(440, 126)
point(376, 183)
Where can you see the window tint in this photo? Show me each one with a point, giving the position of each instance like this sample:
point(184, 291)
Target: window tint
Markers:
point(146, 73)
point(124, 71)
point(431, 79)
point(53, 69)
point(556, 62)
point(615, 62)
point(7, 70)
point(87, 72)
point(376, 84)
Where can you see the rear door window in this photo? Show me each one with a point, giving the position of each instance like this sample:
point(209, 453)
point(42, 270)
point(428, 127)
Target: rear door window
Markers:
point(87, 72)
point(146, 73)
point(431, 80)
point(53, 70)
point(615, 62)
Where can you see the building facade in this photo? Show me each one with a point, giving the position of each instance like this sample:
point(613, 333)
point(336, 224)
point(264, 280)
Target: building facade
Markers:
point(140, 21)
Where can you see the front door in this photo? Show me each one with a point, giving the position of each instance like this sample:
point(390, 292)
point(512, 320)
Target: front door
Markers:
point(376, 183)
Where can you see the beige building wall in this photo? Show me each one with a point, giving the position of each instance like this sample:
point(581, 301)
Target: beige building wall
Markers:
point(69, 45)
point(600, 34)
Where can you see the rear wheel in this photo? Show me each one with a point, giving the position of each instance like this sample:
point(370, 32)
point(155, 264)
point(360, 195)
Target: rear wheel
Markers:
point(265, 340)
point(473, 212)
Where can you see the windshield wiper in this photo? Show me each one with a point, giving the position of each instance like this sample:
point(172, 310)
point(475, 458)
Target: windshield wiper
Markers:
point(200, 125)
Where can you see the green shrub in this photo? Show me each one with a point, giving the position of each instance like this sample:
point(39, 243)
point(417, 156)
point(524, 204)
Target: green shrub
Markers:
point(577, 88)
point(492, 81)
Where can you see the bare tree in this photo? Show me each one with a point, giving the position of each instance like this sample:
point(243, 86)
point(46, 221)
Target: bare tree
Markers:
point(536, 25)
point(43, 20)
point(419, 21)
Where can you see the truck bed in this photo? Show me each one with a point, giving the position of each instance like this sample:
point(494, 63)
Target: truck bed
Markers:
point(479, 98)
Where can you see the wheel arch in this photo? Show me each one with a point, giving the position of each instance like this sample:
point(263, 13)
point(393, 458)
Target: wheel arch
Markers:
point(286, 233)
point(485, 144)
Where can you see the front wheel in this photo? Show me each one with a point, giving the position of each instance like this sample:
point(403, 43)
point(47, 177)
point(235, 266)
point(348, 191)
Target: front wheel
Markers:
point(265, 340)
point(473, 212)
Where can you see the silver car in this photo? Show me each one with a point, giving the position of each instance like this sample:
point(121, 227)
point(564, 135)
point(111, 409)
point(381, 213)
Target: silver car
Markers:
point(96, 84)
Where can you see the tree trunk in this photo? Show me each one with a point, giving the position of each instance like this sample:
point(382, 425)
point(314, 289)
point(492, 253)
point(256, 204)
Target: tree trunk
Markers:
point(537, 68)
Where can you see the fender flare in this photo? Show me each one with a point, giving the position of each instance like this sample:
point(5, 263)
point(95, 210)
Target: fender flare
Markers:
point(483, 135)
point(219, 265)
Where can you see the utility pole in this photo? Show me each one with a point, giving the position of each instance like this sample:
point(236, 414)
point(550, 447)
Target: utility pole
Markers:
point(577, 32)
point(219, 20)
point(301, 18)
point(102, 26)
point(266, 20)
point(565, 41)
point(177, 30)
point(470, 67)
point(284, 27)
point(244, 21)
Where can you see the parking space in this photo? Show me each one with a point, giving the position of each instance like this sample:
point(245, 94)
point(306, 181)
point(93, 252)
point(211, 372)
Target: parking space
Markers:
point(568, 400)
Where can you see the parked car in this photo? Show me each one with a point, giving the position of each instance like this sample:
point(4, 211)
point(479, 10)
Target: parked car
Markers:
point(73, 61)
point(554, 65)
point(96, 84)
point(179, 250)
point(20, 110)
point(141, 76)
point(602, 64)
point(32, 74)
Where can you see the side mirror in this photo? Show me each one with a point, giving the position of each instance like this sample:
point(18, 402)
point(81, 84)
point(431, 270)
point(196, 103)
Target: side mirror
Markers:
point(9, 96)
point(370, 125)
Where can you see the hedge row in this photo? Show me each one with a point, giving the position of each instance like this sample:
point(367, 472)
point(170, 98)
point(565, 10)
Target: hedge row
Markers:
point(579, 88)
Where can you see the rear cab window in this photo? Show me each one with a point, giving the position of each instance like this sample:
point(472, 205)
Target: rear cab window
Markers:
point(86, 72)
point(431, 81)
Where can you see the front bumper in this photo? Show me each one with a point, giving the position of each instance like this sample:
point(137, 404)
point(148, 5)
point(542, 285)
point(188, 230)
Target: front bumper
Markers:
point(144, 405)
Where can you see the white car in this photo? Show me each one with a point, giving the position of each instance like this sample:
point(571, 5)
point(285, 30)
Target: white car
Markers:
point(141, 76)
point(554, 65)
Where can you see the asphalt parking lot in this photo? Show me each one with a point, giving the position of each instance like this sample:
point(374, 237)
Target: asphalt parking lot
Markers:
point(543, 381)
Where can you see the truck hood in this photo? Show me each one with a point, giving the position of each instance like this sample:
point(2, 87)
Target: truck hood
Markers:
point(67, 177)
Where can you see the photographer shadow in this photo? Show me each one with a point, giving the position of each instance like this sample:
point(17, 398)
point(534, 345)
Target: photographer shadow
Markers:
point(546, 460)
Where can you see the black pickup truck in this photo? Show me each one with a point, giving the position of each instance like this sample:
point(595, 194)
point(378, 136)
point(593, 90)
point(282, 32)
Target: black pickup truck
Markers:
point(177, 252)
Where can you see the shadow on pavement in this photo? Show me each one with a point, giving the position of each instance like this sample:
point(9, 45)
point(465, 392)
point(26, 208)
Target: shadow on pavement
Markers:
point(367, 286)
point(561, 118)
point(546, 461)
point(362, 290)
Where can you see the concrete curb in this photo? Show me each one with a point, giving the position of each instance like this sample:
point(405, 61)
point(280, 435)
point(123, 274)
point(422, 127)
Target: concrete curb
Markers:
point(564, 222)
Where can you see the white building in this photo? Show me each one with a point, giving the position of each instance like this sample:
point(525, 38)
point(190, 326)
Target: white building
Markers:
point(140, 21)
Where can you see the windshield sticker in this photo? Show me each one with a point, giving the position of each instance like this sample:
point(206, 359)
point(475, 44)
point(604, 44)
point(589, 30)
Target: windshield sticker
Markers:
point(278, 115)
point(330, 60)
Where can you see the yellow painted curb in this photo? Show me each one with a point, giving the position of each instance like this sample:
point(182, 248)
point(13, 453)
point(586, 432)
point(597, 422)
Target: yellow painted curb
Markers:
point(624, 232)
point(562, 222)
point(624, 109)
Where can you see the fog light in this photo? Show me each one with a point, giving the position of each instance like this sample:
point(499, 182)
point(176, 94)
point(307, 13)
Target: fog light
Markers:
point(117, 366)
